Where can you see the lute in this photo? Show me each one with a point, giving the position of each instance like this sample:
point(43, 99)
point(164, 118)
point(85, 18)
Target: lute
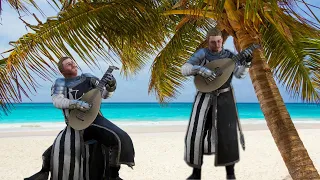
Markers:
point(225, 68)
point(78, 119)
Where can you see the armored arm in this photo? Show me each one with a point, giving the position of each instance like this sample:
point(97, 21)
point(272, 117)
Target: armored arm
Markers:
point(110, 87)
point(109, 90)
point(59, 100)
point(192, 66)
point(244, 62)
point(241, 70)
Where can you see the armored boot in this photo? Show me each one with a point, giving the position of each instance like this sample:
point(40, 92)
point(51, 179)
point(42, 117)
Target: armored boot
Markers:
point(114, 173)
point(196, 174)
point(231, 177)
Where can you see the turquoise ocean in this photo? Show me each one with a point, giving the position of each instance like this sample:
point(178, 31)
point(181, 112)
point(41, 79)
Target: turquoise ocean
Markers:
point(148, 112)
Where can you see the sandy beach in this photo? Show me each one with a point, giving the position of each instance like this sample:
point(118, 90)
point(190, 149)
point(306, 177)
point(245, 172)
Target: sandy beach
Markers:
point(159, 153)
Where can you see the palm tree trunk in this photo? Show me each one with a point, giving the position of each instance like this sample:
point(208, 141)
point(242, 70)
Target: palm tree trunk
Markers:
point(279, 122)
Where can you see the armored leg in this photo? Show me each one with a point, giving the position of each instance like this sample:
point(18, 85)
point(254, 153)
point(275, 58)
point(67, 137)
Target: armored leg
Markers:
point(114, 173)
point(230, 172)
point(113, 137)
point(114, 167)
point(196, 173)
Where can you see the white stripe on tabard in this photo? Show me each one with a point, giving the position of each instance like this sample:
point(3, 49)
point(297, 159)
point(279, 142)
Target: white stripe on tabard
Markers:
point(213, 140)
point(81, 168)
point(214, 126)
point(87, 161)
point(189, 133)
point(67, 154)
point(206, 146)
point(198, 138)
point(77, 155)
point(56, 149)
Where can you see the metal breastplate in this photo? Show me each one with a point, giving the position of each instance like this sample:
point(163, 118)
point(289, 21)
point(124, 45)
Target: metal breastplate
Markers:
point(211, 56)
point(76, 87)
point(72, 82)
point(72, 88)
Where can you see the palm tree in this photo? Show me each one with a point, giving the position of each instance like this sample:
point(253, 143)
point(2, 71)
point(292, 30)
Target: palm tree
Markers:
point(283, 38)
point(289, 52)
point(134, 30)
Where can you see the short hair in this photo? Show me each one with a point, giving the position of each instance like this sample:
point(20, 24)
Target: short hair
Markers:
point(60, 65)
point(214, 32)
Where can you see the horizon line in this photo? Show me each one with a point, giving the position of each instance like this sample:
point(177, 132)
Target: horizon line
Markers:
point(159, 102)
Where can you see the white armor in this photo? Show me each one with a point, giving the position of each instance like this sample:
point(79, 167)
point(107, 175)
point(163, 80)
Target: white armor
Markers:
point(195, 66)
point(59, 92)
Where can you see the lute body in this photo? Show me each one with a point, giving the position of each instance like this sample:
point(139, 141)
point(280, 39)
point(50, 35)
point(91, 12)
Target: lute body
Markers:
point(203, 85)
point(226, 66)
point(78, 119)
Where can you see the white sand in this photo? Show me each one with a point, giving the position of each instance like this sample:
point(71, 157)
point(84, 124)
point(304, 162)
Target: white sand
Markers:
point(159, 155)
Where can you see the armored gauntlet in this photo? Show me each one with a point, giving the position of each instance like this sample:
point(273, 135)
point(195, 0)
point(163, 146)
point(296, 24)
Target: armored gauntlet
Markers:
point(205, 72)
point(81, 105)
point(111, 83)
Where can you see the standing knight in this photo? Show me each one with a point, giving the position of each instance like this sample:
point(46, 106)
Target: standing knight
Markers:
point(214, 119)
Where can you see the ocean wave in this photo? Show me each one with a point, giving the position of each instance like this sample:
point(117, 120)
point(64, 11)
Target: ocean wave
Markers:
point(126, 122)
point(41, 126)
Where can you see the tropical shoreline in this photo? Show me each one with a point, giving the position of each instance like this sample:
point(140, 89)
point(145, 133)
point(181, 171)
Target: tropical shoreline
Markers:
point(144, 112)
point(48, 129)
point(126, 122)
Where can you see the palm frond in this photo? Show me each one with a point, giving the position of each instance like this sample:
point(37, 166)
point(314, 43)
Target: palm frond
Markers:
point(281, 31)
point(192, 12)
point(166, 78)
point(261, 12)
point(214, 5)
point(290, 61)
point(311, 50)
point(22, 6)
point(132, 30)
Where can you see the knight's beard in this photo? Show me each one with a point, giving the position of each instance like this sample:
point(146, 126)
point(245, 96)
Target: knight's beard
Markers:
point(216, 50)
point(70, 73)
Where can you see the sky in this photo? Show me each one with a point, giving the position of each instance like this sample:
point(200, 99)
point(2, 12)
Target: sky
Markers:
point(134, 89)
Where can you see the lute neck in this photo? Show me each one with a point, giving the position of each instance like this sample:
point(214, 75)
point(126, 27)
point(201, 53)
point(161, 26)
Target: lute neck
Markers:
point(240, 57)
point(103, 82)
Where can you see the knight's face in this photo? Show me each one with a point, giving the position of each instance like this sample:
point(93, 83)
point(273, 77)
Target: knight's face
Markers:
point(69, 68)
point(215, 43)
